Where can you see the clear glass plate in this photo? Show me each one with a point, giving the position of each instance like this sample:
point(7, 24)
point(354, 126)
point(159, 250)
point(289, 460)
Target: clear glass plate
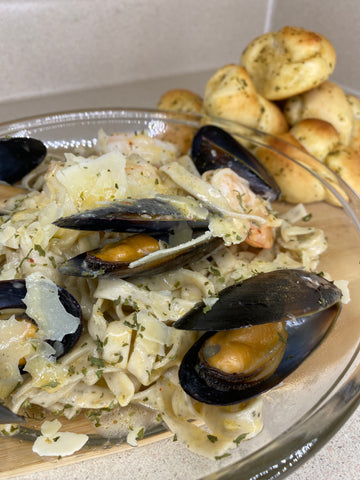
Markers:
point(310, 406)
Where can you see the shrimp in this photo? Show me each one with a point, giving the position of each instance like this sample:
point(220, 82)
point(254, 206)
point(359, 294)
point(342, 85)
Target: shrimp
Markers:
point(151, 150)
point(242, 199)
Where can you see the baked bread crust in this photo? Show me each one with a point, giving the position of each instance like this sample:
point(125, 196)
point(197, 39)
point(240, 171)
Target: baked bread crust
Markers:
point(288, 62)
point(296, 184)
point(231, 94)
point(354, 142)
point(328, 102)
point(321, 140)
point(181, 100)
point(346, 163)
point(318, 137)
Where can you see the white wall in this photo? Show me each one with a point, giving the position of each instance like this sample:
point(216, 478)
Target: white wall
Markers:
point(61, 54)
point(49, 46)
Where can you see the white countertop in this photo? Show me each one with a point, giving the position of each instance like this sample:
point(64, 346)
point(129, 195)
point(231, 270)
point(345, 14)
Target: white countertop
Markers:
point(338, 459)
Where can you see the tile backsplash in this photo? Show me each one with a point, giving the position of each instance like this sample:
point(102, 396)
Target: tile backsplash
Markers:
point(53, 47)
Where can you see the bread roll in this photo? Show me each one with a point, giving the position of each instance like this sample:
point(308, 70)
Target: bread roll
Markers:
point(230, 94)
point(346, 163)
point(271, 119)
point(327, 102)
point(296, 184)
point(180, 100)
point(318, 137)
point(288, 62)
point(321, 140)
point(354, 141)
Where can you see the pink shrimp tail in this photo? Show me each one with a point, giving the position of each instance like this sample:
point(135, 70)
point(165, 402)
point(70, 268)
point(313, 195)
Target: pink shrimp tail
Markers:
point(260, 237)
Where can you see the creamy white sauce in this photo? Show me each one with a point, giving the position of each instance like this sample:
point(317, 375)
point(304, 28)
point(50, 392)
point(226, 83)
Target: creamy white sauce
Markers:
point(127, 422)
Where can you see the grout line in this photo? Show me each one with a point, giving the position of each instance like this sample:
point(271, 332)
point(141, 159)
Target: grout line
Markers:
point(269, 15)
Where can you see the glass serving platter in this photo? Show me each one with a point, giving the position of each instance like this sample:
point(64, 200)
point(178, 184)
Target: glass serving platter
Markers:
point(301, 414)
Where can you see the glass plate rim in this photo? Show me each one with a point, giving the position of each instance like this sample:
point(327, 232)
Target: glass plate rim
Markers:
point(274, 460)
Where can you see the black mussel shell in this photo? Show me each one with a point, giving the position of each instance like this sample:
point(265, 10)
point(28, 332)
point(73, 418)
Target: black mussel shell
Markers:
point(87, 266)
point(12, 293)
point(146, 215)
point(305, 334)
point(213, 148)
point(267, 297)
point(7, 416)
point(18, 156)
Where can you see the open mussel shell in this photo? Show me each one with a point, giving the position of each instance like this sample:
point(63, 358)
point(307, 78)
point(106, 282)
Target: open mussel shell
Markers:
point(214, 148)
point(305, 334)
point(307, 303)
point(150, 215)
point(267, 297)
point(18, 156)
point(87, 265)
point(12, 293)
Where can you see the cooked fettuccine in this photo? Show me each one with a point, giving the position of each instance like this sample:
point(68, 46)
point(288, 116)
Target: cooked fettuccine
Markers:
point(125, 364)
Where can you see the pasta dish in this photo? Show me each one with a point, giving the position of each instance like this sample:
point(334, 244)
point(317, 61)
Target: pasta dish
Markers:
point(123, 371)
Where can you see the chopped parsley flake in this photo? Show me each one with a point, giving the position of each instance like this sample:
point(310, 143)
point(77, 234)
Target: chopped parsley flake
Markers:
point(240, 438)
point(307, 217)
point(212, 438)
point(40, 250)
point(99, 362)
point(140, 433)
point(220, 457)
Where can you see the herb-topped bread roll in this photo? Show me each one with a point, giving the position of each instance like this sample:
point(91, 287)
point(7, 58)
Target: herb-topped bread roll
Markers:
point(183, 101)
point(296, 184)
point(346, 163)
point(180, 100)
point(354, 142)
point(281, 86)
point(231, 94)
point(321, 140)
point(318, 137)
point(328, 102)
point(288, 62)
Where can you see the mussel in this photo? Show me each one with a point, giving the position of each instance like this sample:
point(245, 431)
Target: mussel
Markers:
point(18, 156)
point(137, 255)
point(12, 295)
point(154, 222)
point(257, 333)
point(55, 320)
point(214, 148)
point(144, 215)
